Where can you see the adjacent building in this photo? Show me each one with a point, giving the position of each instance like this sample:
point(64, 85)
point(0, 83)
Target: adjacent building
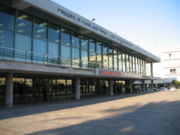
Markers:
point(48, 52)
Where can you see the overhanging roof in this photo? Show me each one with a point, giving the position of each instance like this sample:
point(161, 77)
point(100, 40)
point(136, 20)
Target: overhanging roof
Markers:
point(57, 10)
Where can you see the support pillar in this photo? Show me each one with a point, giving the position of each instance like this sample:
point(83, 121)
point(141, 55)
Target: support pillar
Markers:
point(152, 83)
point(77, 88)
point(9, 91)
point(143, 85)
point(131, 86)
point(111, 87)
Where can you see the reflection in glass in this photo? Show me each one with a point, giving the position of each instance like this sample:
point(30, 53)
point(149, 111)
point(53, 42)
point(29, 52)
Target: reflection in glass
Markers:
point(23, 46)
point(40, 28)
point(92, 54)
point(105, 58)
point(6, 43)
point(124, 62)
point(75, 57)
point(84, 43)
point(115, 60)
point(53, 32)
point(24, 23)
point(65, 37)
point(65, 55)
point(120, 61)
point(6, 19)
point(40, 50)
point(53, 53)
point(84, 58)
point(110, 54)
point(75, 41)
point(99, 54)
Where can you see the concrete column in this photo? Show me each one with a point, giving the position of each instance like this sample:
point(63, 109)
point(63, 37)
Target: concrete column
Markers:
point(152, 86)
point(131, 86)
point(111, 87)
point(9, 91)
point(143, 85)
point(77, 88)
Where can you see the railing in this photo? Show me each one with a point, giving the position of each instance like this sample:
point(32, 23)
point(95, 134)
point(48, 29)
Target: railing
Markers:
point(7, 53)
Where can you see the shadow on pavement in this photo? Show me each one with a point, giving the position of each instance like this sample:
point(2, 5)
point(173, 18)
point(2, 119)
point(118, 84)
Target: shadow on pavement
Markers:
point(24, 110)
point(162, 118)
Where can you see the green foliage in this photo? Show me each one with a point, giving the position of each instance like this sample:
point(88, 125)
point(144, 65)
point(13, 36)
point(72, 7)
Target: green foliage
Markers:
point(176, 83)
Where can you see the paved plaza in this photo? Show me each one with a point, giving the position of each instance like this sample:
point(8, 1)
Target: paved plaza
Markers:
point(155, 113)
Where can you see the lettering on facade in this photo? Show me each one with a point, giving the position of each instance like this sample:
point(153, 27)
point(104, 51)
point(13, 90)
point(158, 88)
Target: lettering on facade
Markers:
point(120, 74)
point(81, 20)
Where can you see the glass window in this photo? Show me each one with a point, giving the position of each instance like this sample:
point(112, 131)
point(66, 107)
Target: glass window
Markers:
point(115, 60)
point(40, 28)
point(99, 56)
point(75, 57)
point(92, 46)
point(53, 51)
point(65, 37)
point(92, 54)
point(53, 32)
point(124, 62)
point(127, 62)
point(105, 58)
point(110, 54)
point(6, 19)
point(66, 55)
point(6, 43)
point(84, 58)
point(24, 23)
point(120, 61)
point(23, 47)
point(75, 41)
point(84, 43)
point(40, 50)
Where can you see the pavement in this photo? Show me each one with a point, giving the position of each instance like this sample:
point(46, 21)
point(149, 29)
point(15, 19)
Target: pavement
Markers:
point(156, 113)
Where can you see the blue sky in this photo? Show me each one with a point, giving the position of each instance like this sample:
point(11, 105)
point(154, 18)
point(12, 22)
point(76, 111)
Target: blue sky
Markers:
point(151, 24)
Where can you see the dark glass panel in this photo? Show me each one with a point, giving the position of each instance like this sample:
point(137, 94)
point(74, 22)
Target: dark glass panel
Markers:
point(53, 51)
point(65, 55)
point(65, 37)
point(24, 23)
point(23, 47)
point(84, 43)
point(6, 44)
point(40, 28)
point(75, 40)
point(75, 57)
point(6, 19)
point(40, 50)
point(53, 32)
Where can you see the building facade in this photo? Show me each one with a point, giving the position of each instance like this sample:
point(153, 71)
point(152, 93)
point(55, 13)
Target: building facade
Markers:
point(48, 52)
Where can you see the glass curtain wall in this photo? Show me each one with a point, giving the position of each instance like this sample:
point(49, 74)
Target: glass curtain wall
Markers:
point(110, 55)
point(53, 43)
point(105, 57)
point(75, 50)
point(120, 61)
point(65, 47)
point(99, 54)
point(115, 60)
point(92, 54)
point(84, 52)
point(40, 42)
point(6, 35)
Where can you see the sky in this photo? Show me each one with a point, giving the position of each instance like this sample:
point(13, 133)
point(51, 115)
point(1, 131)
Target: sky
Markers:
point(151, 24)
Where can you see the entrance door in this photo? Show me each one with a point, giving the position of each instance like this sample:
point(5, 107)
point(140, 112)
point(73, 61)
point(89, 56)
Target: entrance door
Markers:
point(2, 90)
